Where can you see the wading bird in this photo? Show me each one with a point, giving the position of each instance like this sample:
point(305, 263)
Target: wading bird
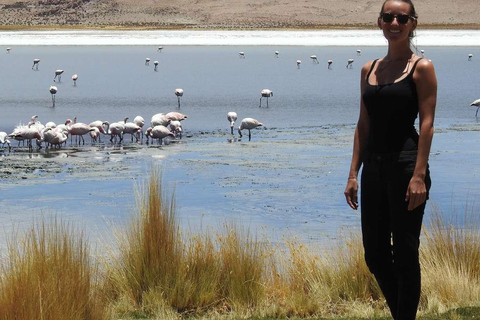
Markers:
point(249, 124)
point(4, 140)
point(350, 63)
point(359, 52)
point(276, 54)
point(176, 128)
point(75, 78)
point(53, 91)
point(159, 119)
point(147, 61)
point(159, 49)
point(241, 54)
point(139, 121)
point(158, 132)
point(232, 117)
point(155, 65)
point(58, 73)
point(179, 93)
point(470, 56)
point(35, 63)
point(8, 50)
point(329, 64)
point(176, 116)
point(476, 103)
point(314, 59)
point(266, 93)
point(299, 62)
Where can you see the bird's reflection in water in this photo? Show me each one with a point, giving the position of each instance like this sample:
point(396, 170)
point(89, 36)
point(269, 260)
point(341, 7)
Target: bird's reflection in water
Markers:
point(233, 139)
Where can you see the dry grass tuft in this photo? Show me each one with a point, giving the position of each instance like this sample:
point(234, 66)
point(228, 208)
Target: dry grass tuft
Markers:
point(50, 275)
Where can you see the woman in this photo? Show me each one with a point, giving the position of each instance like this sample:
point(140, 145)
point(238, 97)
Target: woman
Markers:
point(395, 178)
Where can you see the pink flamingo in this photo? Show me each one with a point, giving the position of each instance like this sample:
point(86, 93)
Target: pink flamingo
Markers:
point(176, 116)
point(4, 140)
point(249, 124)
point(139, 121)
point(159, 119)
point(158, 132)
point(78, 129)
point(131, 129)
point(232, 117)
point(176, 127)
point(115, 130)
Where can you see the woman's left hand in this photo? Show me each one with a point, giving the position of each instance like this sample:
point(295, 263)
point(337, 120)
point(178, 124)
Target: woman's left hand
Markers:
point(416, 193)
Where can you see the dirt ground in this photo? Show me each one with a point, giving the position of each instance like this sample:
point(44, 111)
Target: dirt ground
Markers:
point(225, 13)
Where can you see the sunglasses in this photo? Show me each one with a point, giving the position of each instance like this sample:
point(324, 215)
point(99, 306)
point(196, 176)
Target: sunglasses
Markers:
point(401, 18)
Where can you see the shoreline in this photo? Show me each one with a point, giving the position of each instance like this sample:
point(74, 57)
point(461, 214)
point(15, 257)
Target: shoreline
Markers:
point(220, 28)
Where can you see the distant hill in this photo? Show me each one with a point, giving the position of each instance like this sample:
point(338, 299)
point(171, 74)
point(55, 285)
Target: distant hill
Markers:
point(226, 13)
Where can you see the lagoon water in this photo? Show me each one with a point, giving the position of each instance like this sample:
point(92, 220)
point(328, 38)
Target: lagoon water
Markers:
point(290, 177)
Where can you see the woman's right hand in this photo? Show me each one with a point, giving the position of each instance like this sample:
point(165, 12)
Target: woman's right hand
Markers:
point(351, 193)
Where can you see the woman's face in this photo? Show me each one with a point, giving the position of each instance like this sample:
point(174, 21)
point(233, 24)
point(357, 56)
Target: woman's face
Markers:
point(395, 31)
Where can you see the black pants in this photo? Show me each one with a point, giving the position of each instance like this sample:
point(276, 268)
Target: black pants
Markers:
point(391, 233)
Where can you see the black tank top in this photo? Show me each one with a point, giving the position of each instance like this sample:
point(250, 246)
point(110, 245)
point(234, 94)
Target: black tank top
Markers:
point(392, 110)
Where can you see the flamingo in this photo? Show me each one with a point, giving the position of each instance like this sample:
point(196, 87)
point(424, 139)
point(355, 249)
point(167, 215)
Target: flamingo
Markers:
point(78, 129)
point(147, 61)
point(50, 124)
point(314, 59)
point(75, 78)
point(176, 127)
point(241, 54)
point(422, 52)
point(176, 116)
point(131, 128)
point(58, 73)
point(155, 63)
point(232, 117)
point(4, 140)
point(276, 54)
point(350, 63)
point(470, 56)
point(476, 103)
point(179, 93)
point(53, 91)
point(249, 124)
point(266, 93)
point(159, 119)
point(298, 63)
point(359, 52)
point(21, 133)
point(98, 124)
point(8, 50)
point(35, 63)
point(158, 132)
point(329, 64)
point(159, 49)
point(94, 135)
point(115, 129)
point(54, 137)
point(139, 121)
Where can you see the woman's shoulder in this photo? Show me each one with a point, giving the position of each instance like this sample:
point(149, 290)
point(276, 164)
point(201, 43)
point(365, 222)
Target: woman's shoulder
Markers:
point(367, 66)
point(424, 66)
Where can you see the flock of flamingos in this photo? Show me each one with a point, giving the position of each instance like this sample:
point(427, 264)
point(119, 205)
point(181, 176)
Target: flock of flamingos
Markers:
point(161, 125)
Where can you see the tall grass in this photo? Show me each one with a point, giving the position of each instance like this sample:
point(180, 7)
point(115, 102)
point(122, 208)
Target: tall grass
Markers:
point(160, 273)
point(160, 266)
point(450, 262)
point(50, 274)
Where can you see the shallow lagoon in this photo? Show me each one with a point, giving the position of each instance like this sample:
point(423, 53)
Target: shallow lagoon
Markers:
point(290, 177)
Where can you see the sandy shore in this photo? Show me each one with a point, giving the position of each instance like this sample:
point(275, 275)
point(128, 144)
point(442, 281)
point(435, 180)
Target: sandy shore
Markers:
point(224, 14)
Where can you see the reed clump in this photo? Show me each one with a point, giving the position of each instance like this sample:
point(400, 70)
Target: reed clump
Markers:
point(49, 274)
point(450, 260)
point(159, 266)
point(158, 272)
